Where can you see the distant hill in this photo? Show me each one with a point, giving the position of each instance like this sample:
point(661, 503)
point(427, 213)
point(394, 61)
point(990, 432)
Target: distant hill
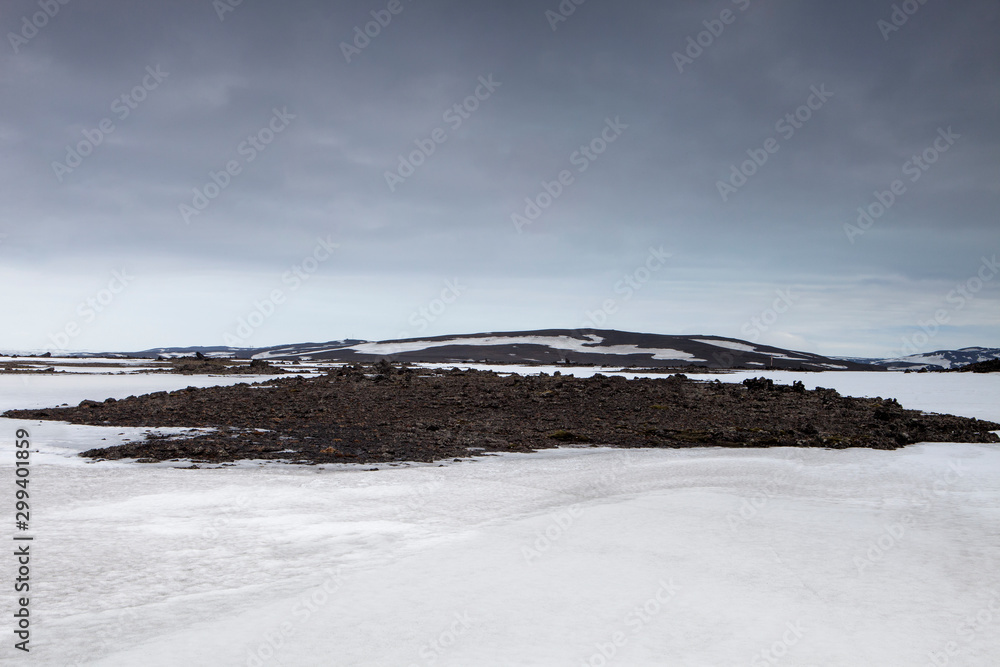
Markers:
point(577, 346)
point(991, 366)
point(935, 361)
point(600, 347)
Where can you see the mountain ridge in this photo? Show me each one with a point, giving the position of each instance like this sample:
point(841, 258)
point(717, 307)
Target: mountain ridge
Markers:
point(599, 347)
point(939, 360)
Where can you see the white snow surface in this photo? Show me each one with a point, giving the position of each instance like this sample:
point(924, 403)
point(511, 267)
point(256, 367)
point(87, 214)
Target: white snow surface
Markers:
point(928, 359)
point(655, 557)
point(62, 361)
point(110, 370)
point(728, 344)
point(24, 391)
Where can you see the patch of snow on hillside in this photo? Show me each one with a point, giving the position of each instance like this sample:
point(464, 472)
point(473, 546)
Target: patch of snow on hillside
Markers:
point(934, 360)
point(728, 344)
point(555, 342)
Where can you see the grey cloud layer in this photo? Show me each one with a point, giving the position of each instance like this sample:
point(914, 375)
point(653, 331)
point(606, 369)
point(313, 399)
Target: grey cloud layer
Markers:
point(658, 183)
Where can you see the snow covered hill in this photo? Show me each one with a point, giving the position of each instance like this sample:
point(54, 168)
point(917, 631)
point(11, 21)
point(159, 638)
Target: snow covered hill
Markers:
point(934, 361)
point(578, 346)
point(600, 347)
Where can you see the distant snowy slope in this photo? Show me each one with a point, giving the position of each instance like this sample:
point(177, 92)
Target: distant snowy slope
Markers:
point(295, 350)
point(599, 347)
point(933, 361)
point(554, 342)
point(579, 346)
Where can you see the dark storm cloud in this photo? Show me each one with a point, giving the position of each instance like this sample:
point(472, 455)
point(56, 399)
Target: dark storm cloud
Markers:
point(886, 96)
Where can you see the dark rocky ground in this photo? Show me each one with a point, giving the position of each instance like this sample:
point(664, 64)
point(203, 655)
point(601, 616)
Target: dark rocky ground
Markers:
point(991, 366)
point(202, 365)
point(383, 413)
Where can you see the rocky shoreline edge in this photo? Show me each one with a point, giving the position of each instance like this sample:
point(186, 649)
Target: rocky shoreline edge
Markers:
point(384, 413)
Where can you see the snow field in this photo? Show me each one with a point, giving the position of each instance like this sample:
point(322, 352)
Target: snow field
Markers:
point(575, 556)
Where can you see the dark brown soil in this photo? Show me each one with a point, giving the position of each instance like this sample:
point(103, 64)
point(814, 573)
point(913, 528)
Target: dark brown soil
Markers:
point(382, 413)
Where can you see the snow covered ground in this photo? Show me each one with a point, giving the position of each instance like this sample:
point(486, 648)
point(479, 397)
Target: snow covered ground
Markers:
point(577, 556)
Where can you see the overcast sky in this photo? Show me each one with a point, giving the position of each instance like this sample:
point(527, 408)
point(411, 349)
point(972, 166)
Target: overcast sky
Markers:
point(361, 202)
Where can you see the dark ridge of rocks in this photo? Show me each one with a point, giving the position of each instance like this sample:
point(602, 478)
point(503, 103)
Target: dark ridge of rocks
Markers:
point(19, 367)
point(990, 366)
point(202, 365)
point(384, 413)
